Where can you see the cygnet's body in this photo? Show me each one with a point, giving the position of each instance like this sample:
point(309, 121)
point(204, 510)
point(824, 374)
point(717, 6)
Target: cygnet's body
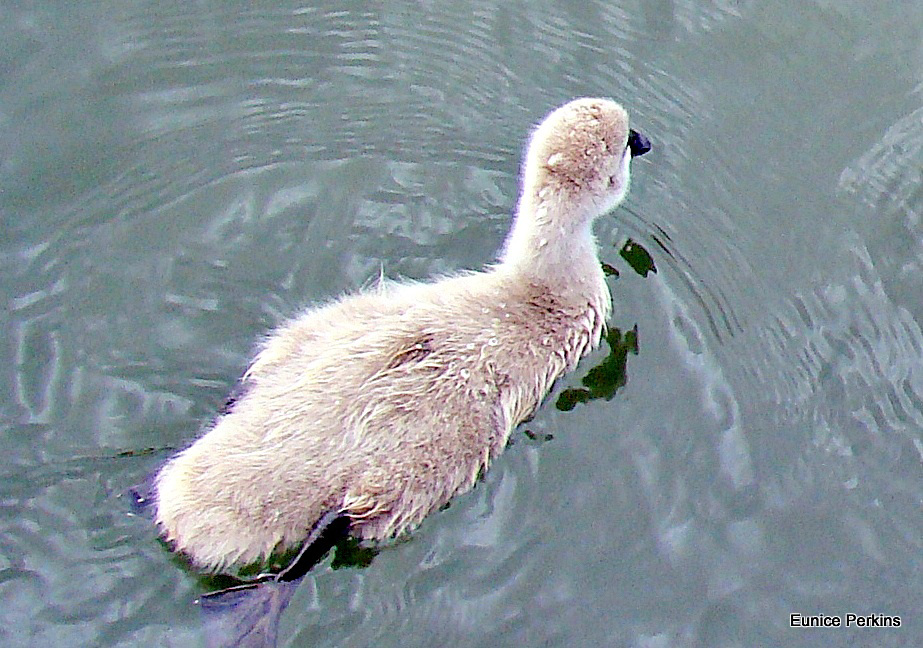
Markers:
point(383, 405)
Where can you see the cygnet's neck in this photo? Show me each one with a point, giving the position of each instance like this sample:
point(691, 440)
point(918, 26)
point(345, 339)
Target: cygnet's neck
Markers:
point(552, 247)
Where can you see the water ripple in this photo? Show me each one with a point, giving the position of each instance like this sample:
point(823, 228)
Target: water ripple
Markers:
point(889, 176)
point(718, 396)
point(851, 355)
point(150, 155)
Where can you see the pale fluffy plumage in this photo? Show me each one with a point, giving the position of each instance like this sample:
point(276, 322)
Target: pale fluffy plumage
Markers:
point(383, 405)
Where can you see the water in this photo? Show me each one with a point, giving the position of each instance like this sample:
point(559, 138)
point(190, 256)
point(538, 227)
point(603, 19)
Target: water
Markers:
point(175, 178)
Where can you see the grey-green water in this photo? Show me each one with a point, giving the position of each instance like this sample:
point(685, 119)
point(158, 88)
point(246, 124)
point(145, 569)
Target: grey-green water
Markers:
point(176, 177)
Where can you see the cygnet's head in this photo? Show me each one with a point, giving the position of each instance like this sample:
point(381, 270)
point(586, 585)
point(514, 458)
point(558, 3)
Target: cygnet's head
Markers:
point(579, 159)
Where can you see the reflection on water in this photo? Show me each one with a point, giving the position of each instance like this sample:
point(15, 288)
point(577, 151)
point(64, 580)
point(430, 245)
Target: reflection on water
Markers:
point(638, 258)
point(603, 380)
point(176, 178)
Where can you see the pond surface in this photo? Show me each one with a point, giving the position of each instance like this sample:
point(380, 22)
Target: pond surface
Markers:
point(177, 177)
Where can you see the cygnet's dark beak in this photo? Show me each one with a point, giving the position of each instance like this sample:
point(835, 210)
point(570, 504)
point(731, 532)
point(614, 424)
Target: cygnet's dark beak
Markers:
point(638, 143)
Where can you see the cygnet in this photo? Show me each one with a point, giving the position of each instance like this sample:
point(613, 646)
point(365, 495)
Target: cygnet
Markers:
point(379, 407)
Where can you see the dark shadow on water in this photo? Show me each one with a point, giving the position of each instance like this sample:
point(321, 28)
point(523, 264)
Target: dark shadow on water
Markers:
point(350, 552)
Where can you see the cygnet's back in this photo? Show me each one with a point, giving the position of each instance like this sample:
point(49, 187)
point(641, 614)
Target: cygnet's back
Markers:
point(383, 405)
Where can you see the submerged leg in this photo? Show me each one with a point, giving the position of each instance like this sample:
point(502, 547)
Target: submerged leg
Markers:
point(246, 617)
point(249, 614)
point(329, 530)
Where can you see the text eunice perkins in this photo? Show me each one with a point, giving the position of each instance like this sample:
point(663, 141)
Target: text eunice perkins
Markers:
point(849, 620)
